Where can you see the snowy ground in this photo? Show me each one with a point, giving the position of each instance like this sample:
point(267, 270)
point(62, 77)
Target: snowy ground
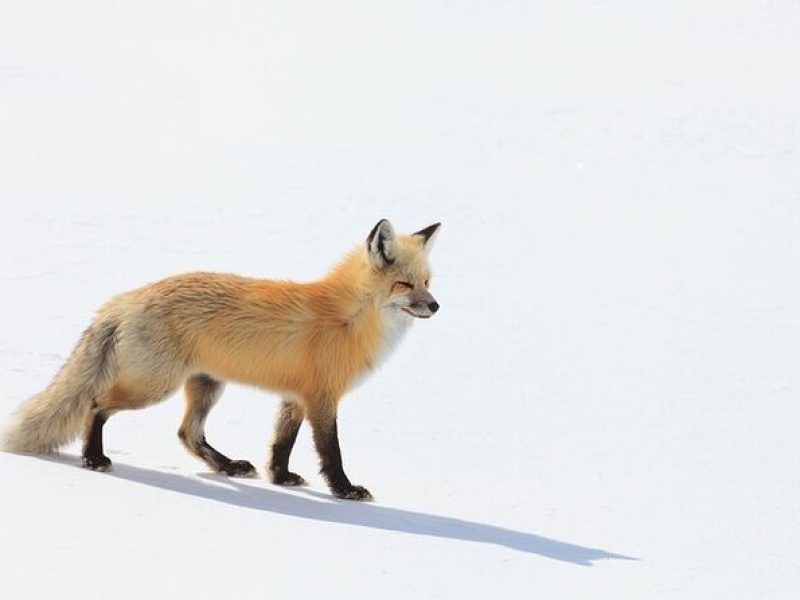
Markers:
point(607, 404)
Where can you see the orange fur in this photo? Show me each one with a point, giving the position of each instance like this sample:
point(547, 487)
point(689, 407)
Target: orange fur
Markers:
point(309, 342)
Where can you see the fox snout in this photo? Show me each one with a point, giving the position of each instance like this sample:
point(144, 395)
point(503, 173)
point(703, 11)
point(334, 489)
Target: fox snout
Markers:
point(424, 307)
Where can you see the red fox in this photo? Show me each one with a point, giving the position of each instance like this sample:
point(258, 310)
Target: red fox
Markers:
point(309, 342)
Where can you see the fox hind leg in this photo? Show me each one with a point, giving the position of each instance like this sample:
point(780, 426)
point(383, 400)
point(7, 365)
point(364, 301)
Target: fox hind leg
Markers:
point(118, 397)
point(93, 457)
point(202, 392)
point(290, 417)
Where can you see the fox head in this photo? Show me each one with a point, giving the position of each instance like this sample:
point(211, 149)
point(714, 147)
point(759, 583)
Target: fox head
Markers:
point(399, 268)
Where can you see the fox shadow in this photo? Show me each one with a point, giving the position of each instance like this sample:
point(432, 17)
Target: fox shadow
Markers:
point(320, 507)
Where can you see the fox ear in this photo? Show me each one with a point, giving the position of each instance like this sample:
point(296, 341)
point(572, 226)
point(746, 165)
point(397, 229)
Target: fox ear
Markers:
point(428, 236)
point(381, 244)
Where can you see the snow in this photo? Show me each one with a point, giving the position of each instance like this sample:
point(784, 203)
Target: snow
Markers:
point(606, 404)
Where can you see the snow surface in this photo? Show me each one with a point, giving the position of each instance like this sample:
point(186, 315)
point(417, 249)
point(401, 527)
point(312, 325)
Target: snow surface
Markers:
point(606, 406)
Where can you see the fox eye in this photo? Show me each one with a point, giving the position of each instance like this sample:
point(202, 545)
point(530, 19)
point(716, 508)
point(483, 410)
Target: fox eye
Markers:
point(427, 281)
point(404, 285)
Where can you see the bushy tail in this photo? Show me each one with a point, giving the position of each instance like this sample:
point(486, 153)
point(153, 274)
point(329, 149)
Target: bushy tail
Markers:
point(55, 416)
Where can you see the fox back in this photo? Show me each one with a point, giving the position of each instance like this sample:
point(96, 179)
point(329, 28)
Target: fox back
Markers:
point(309, 342)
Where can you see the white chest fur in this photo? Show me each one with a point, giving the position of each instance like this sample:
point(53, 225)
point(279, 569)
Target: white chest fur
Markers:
point(395, 325)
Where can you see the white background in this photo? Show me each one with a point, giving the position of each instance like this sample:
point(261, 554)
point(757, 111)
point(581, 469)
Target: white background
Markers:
point(606, 406)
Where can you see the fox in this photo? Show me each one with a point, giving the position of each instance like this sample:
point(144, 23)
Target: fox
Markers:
point(309, 343)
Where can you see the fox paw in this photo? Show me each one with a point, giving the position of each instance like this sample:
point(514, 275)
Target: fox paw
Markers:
point(97, 463)
point(239, 468)
point(287, 478)
point(354, 492)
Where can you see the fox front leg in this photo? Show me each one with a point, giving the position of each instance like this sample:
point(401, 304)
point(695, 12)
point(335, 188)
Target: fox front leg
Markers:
point(326, 440)
point(290, 417)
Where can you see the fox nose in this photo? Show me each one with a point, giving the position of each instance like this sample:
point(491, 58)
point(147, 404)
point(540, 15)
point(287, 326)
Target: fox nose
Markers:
point(433, 306)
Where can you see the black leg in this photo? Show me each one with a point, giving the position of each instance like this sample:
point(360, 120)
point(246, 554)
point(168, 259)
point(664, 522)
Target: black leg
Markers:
point(287, 425)
point(202, 393)
point(93, 457)
point(216, 459)
point(221, 463)
point(326, 439)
